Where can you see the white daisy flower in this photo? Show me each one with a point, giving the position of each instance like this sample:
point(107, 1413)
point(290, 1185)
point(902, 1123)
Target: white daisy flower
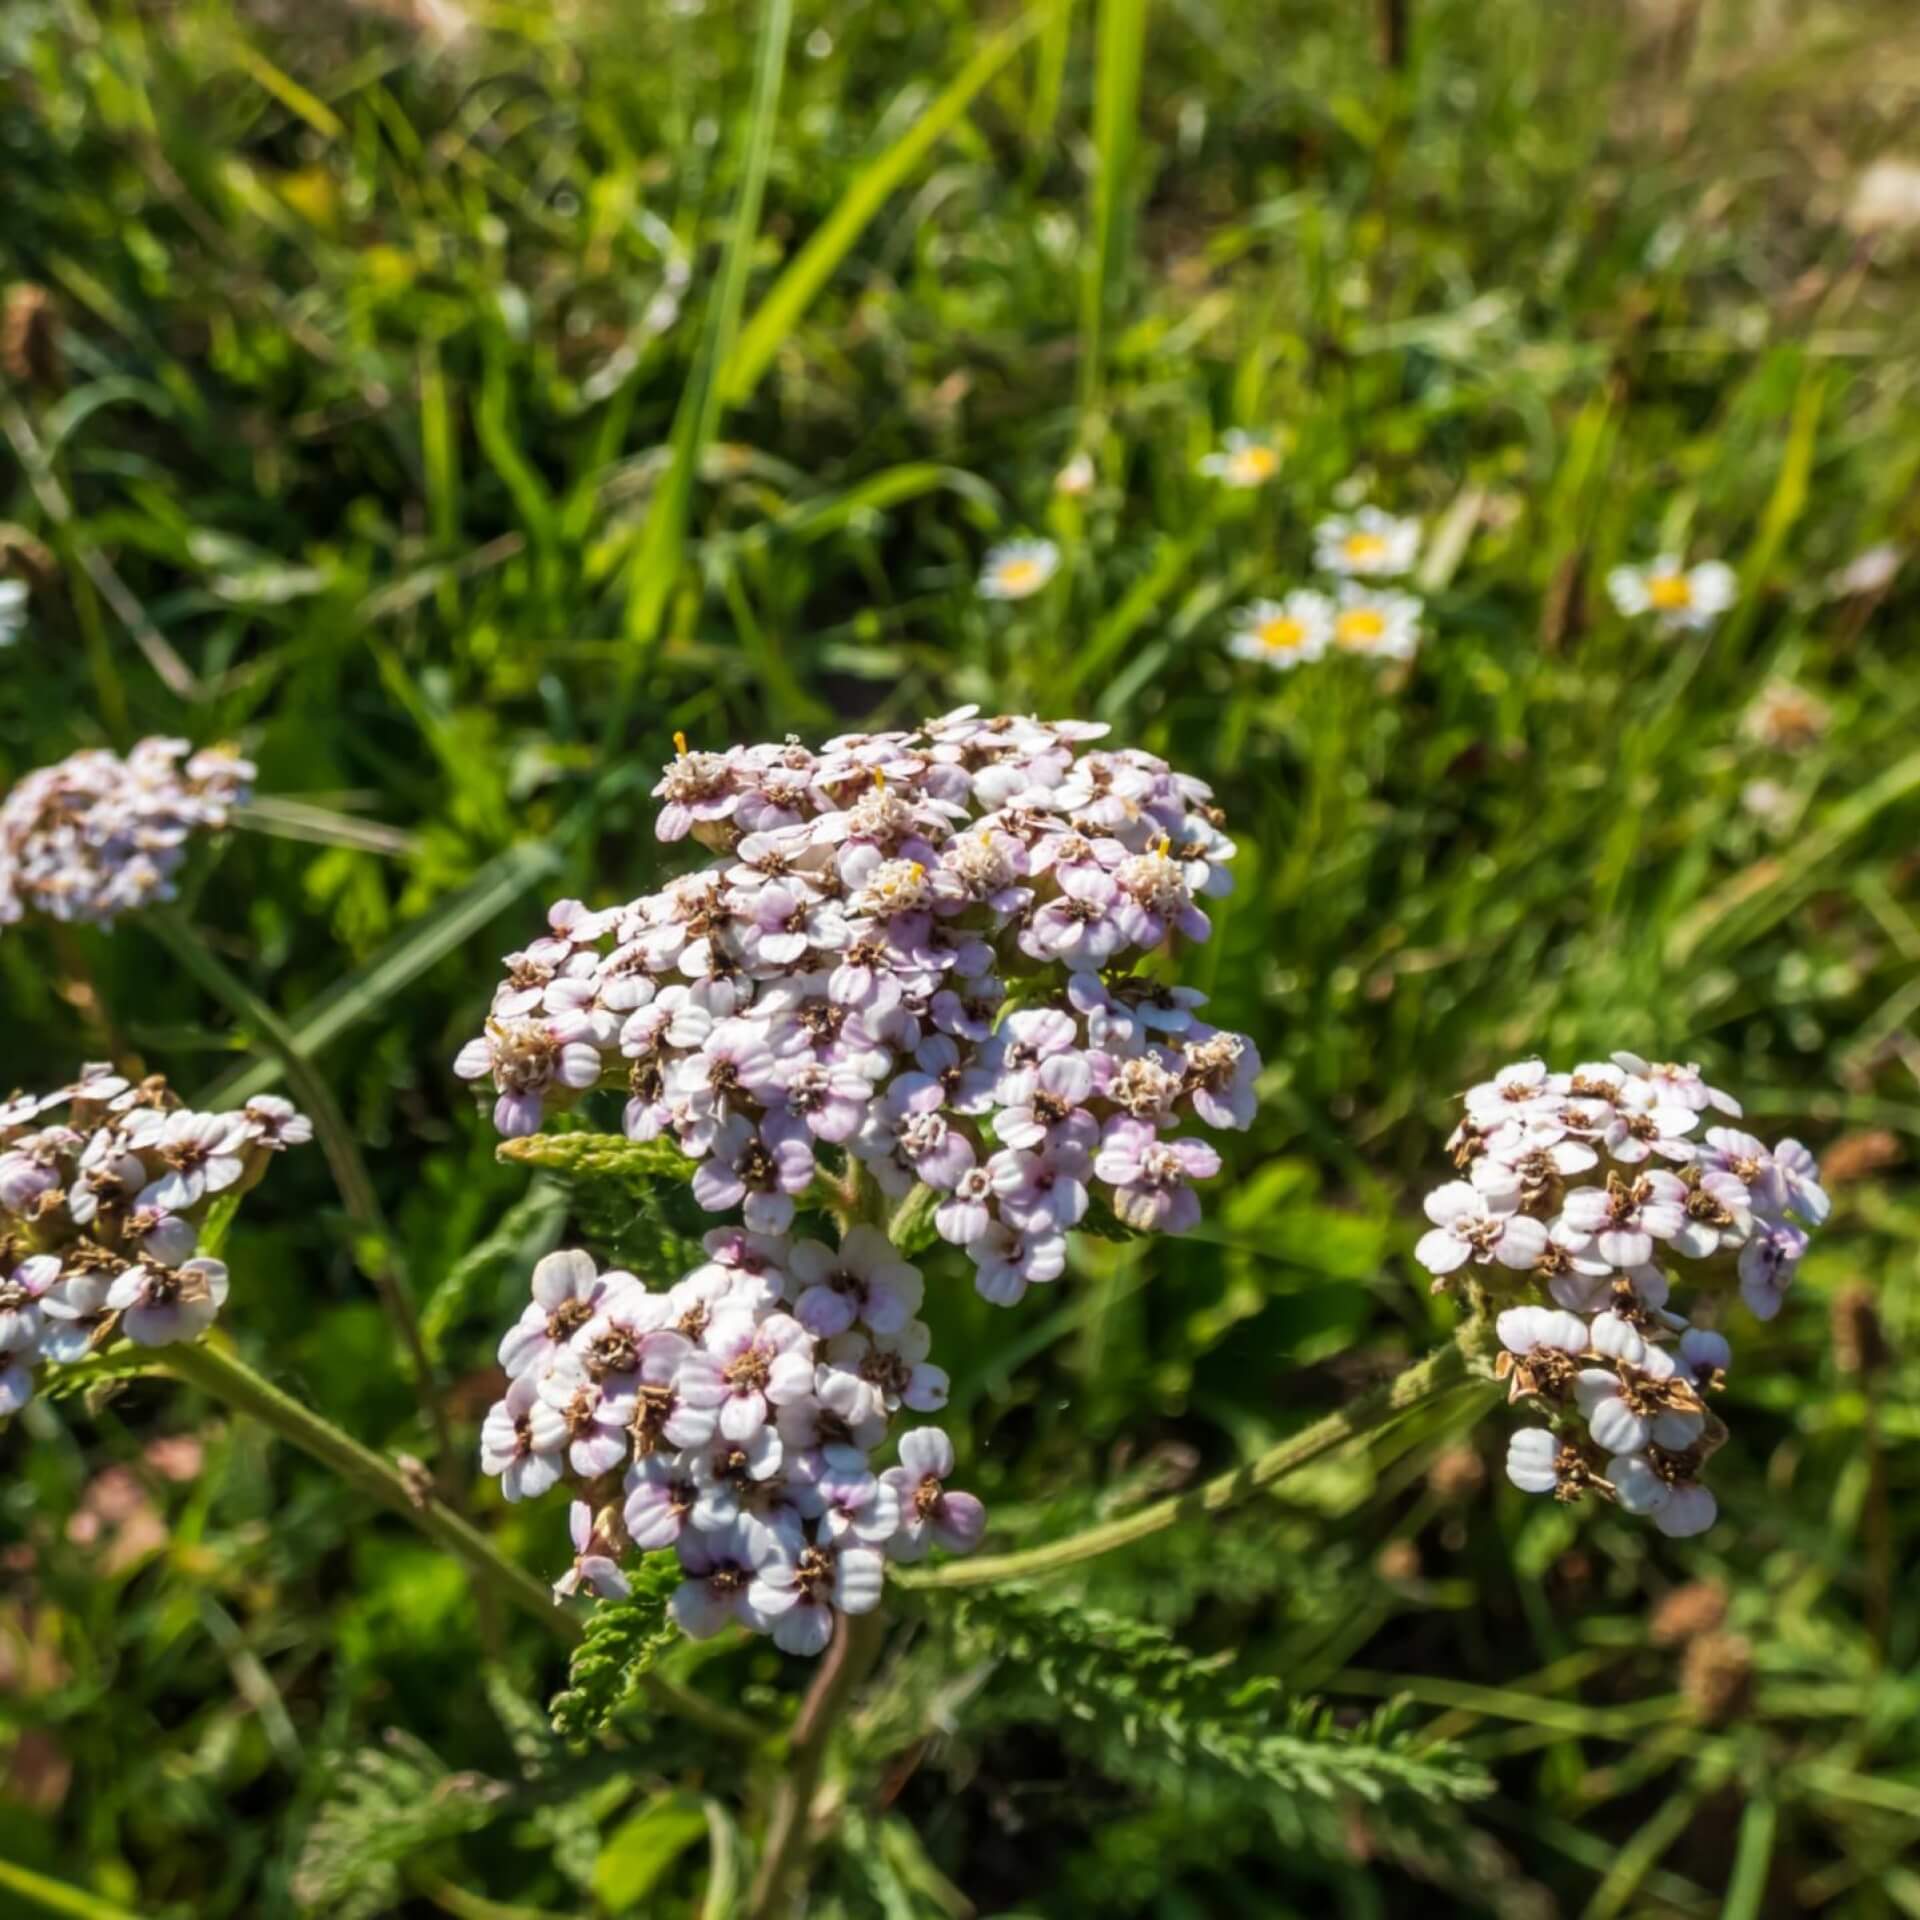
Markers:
point(1681, 598)
point(1366, 542)
point(1283, 633)
point(1376, 624)
point(1018, 569)
point(1242, 460)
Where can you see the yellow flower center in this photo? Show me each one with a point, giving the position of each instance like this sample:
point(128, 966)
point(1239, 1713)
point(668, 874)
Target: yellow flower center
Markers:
point(1669, 592)
point(1020, 576)
point(1280, 635)
point(1251, 465)
point(1363, 547)
point(1359, 626)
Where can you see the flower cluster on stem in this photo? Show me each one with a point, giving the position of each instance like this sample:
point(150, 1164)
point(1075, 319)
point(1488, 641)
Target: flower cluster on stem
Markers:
point(1579, 1196)
point(95, 836)
point(104, 1187)
point(923, 953)
point(733, 1417)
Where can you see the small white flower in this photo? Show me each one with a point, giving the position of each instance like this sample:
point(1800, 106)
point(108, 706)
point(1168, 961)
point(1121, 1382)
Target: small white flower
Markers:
point(1242, 460)
point(1018, 569)
point(1467, 1225)
point(1540, 1345)
point(1283, 633)
point(1376, 625)
point(1647, 1120)
point(1533, 1460)
point(1366, 542)
point(1522, 1091)
point(13, 611)
point(1638, 1405)
point(1076, 478)
point(1622, 1220)
point(1677, 1509)
point(1680, 597)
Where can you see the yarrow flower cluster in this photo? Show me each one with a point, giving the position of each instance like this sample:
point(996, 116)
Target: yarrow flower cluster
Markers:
point(104, 1186)
point(916, 955)
point(95, 836)
point(733, 1418)
point(1586, 1189)
point(1368, 622)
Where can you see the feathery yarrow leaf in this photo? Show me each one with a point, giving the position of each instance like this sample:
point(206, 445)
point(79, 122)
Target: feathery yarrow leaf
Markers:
point(1157, 1715)
point(623, 1640)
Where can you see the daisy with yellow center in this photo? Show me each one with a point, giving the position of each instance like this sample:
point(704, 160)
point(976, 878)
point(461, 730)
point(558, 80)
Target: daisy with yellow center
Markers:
point(1019, 569)
point(1376, 624)
point(1368, 542)
point(1283, 633)
point(1678, 596)
point(1242, 460)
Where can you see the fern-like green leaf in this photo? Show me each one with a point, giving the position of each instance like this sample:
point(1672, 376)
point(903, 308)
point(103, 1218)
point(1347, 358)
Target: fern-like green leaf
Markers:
point(629, 1196)
point(623, 1640)
point(600, 1156)
point(1154, 1714)
point(386, 1806)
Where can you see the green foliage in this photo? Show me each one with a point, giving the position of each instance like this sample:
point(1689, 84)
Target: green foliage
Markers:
point(529, 1229)
point(392, 399)
point(628, 1195)
point(623, 1640)
point(386, 1808)
point(1188, 1729)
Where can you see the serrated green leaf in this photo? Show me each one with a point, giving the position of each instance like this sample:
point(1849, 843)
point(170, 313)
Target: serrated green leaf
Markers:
point(623, 1639)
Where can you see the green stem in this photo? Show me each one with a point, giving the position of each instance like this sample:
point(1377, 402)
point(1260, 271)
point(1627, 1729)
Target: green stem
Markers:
point(58, 1896)
point(1446, 1367)
point(350, 1173)
point(789, 1826)
point(223, 1375)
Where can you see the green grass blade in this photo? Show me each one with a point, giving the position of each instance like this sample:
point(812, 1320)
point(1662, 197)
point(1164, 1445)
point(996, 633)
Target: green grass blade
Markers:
point(57, 1896)
point(495, 428)
point(1116, 128)
point(779, 313)
point(397, 965)
point(1753, 1856)
point(1050, 76)
point(662, 550)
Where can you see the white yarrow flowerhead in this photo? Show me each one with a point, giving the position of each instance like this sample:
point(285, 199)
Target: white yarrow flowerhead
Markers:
point(1242, 461)
point(739, 1437)
point(1366, 542)
point(1681, 598)
point(1018, 569)
point(1581, 1196)
point(824, 999)
point(95, 836)
point(1376, 624)
point(1283, 633)
point(818, 1017)
point(109, 1184)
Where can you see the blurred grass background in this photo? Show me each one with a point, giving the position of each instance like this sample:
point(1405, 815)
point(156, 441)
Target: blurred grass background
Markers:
point(451, 401)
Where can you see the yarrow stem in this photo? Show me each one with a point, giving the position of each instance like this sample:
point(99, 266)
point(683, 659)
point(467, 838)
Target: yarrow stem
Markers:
point(855, 1650)
point(1441, 1371)
point(350, 1173)
point(225, 1377)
